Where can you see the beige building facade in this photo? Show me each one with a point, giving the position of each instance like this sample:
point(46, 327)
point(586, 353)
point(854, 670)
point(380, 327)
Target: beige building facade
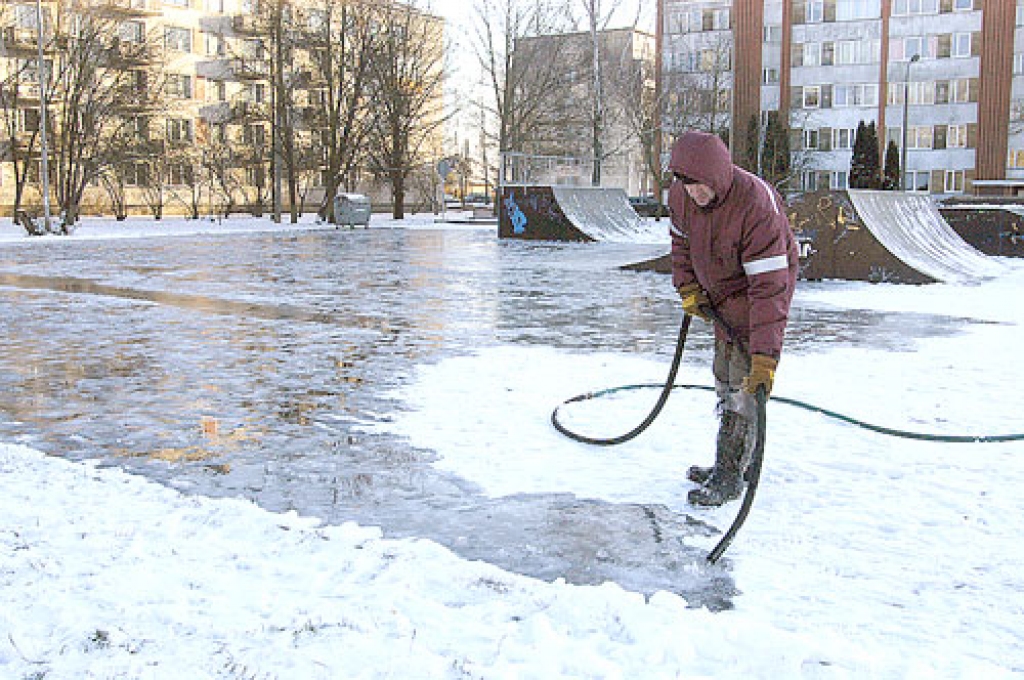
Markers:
point(201, 138)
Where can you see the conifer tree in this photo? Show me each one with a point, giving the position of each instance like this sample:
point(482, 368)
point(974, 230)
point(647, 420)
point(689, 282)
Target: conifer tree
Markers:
point(873, 150)
point(891, 179)
point(858, 168)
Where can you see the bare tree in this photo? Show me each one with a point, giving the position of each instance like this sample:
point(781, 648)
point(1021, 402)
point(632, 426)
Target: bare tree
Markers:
point(520, 75)
point(635, 96)
point(702, 91)
point(597, 20)
point(407, 90)
point(101, 83)
point(342, 43)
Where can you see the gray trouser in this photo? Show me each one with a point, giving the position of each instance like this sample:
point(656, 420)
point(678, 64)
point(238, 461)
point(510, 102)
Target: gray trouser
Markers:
point(737, 409)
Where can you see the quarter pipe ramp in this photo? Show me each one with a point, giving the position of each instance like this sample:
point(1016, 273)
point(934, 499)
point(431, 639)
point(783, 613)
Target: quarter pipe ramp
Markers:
point(557, 213)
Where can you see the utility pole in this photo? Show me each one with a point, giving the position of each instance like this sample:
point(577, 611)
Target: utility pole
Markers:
point(44, 167)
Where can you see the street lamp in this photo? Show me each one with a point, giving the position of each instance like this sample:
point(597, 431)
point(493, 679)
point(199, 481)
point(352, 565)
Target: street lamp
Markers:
point(906, 99)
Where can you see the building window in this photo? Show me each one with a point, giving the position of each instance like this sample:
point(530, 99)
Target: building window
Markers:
point(960, 91)
point(25, 17)
point(811, 139)
point(815, 12)
point(721, 20)
point(1018, 64)
point(857, 52)
point(954, 182)
point(177, 38)
point(839, 180)
point(179, 174)
point(179, 86)
point(255, 135)
point(908, 7)
point(809, 181)
point(179, 130)
point(215, 45)
point(961, 46)
point(854, 95)
point(136, 174)
point(956, 136)
point(842, 138)
point(812, 96)
point(852, 10)
point(920, 137)
point(963, 5)
point(921, 93)
point(176, 3)
point(770, 76)
point(772, 34)
point(917, 180)
point(1020, 13)
point(812, 54)
point(132, 31)
point(1017, 158)
point(256, 176)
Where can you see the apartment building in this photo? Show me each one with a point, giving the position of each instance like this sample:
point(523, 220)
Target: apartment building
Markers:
point(193, 86)
point(560, 94)
point(944, 80)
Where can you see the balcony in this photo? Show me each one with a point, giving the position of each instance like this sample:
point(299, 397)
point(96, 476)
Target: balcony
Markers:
point(125, 54)
point(250, 69)
point(221, 112)
point(247, 110)
point(246, 24)
point(17, 40)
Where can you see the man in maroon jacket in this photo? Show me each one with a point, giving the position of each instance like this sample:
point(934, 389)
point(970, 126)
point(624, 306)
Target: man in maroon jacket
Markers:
point(732, 249)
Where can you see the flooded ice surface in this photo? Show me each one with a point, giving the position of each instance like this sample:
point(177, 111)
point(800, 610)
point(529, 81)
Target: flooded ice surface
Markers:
point(245, 365)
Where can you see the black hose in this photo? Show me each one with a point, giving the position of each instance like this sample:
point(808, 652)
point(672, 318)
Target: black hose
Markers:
point(667, 387)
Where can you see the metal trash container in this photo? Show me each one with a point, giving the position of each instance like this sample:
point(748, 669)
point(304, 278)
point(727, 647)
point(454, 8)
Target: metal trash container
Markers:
point(352, 209)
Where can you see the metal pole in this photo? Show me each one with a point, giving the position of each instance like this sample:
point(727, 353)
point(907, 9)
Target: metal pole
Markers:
point(906, 100)
point(44, 167)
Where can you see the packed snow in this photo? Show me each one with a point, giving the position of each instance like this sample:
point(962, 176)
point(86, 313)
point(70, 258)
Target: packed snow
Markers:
point(864, 556)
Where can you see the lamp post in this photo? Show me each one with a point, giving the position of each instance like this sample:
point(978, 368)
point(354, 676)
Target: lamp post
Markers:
point(906, 100)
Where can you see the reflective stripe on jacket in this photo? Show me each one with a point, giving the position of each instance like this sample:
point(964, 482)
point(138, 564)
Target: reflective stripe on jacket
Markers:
point(740, 248)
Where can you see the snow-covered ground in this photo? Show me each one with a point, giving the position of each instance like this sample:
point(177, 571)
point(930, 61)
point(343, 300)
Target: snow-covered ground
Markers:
point(865, 556)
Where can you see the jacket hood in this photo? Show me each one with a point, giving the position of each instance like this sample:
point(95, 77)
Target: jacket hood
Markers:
point(705, 158)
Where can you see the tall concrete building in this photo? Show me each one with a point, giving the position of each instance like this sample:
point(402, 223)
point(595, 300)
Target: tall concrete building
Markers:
point(560, 70)
point(943, 79)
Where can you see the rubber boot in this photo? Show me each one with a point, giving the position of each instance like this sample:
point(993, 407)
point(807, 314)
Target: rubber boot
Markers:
point(699, 474)
point(725, 481)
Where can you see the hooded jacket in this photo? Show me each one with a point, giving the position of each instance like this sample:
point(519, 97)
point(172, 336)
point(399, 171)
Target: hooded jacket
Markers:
point(740, 248)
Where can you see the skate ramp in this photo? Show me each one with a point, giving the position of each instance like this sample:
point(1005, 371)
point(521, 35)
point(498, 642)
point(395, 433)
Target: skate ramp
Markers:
point(881, 236)
point(557, 213)
point(911, 228)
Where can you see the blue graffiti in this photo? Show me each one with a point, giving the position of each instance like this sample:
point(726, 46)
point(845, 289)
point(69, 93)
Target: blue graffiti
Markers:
point(516, 215)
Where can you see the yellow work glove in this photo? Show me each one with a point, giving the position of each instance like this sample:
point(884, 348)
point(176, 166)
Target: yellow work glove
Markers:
point(694, 297)
point(762, 373)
